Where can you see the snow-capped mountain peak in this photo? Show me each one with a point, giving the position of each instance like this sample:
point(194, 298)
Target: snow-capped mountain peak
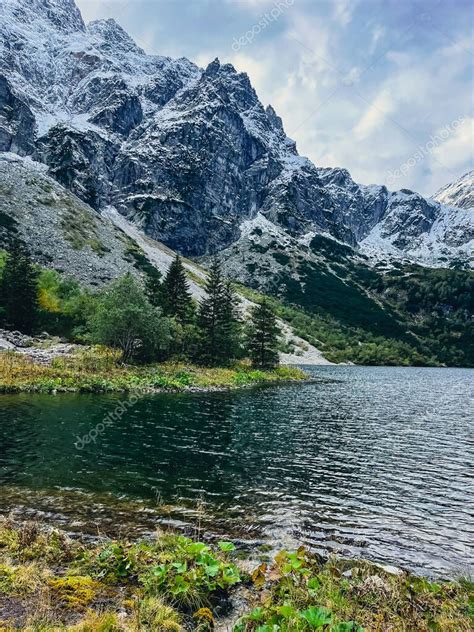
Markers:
point(459, 193)
point(189, 155)
point(62, 15)
point(110, 35)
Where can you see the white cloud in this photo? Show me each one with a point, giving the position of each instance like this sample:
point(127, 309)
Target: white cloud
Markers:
point(257, 70)
point(399, 58)
point(309, 41)
point(457, 149)
point(343, 10)
point(98, 9)
point(461, 44)
point(375, 115)
point(378, 33)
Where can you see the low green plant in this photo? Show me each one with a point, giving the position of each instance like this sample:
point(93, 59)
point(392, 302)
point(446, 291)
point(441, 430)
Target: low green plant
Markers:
point(300, 592)
point(75, 591)
point(96, 622)
point(20, 579)
point(189, 573)
point(111, 562)
point(172, 584)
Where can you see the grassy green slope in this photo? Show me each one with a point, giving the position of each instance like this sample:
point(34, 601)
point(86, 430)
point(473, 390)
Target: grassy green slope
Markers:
point(352, 312)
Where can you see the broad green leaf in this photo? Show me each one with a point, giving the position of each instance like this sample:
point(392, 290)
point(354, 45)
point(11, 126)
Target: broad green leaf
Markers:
point(313, 583)
point(286, 611)
point(317, 617)
point(257, 614)
point(346, 626)
point(226, 546)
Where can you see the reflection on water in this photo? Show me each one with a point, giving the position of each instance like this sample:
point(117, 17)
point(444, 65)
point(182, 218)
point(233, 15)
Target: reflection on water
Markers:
point(374, 462)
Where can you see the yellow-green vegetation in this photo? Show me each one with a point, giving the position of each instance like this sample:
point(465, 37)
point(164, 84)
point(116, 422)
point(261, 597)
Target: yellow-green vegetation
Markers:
point(300, 591)
point(151, 613)
point(172, 583)
point(74, 591)
point(98, 370)
point(22, 579)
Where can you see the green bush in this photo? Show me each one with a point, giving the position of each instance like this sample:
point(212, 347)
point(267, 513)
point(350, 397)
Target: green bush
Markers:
point(124, 319)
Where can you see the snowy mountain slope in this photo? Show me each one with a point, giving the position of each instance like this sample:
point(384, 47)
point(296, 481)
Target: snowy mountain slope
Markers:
point(86, 77)
point(421, 231)
point(459, 193)
point(188, 155)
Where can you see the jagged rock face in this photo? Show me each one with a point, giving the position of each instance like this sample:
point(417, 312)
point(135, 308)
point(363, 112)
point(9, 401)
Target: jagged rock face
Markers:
point(63, 14)
point(188, 155)
point(17, 122)
point(80, 161)
point(459, 193)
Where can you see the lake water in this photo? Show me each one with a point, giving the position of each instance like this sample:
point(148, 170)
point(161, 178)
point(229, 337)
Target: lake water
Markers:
point(369, 462)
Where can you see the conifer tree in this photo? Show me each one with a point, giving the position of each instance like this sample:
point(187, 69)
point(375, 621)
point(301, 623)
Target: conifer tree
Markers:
point(177, 300)
point(262, 336)
point(154, 289)
point(19, 290)
point(218, 320)
point(231, 324)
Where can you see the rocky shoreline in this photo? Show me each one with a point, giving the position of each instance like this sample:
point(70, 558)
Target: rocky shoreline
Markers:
point(42, 349)
point(170, 582)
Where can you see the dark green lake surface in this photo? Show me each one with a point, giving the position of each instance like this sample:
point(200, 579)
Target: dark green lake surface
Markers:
point(370, 462)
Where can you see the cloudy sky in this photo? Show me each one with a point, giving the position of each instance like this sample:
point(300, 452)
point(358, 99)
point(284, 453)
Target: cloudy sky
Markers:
point(381, 87)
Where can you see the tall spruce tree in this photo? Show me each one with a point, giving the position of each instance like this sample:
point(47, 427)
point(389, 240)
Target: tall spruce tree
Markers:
point(262, 336)
point(177, 300)
point(231, 323)
point(154, 289)
point(218, 320)
point(19, 290)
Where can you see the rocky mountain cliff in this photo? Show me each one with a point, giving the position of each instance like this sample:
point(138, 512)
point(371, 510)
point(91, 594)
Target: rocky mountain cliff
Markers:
point(63, 232)
point(190, 156)
point(459, 193)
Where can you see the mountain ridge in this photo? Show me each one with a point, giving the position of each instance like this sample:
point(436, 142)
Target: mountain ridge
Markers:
point(177, 157)
point(459, 193)
point(188, 154)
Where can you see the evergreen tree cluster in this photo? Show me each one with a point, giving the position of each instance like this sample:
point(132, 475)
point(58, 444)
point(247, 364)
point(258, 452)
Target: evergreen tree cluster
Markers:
point(154, 322)
point(19, 291)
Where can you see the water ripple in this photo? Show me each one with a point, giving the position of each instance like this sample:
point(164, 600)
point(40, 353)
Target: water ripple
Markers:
point(375, 462)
